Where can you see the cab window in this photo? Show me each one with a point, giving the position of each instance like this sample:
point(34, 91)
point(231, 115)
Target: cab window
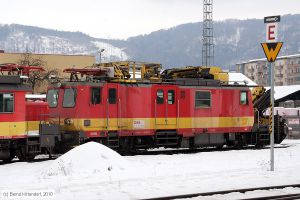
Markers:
point(7, 102)
point(243, 98)
point(171, 97)
point(160, 97)
point(112, 96)
point(52, 98)
point(69, 98)
point(95, 95)
point(202, 99)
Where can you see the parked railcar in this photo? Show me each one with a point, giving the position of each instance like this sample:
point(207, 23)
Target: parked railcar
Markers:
point(194, 109)
point(189, 107)
point(20, 120)
point(12, 115)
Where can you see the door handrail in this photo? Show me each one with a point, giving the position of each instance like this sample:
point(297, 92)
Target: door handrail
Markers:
point(177, 119)
point(166, 113)
point(155, 115)
point(107, 113)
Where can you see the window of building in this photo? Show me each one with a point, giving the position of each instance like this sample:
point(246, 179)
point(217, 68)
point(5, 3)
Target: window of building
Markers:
point(69, 100)
point(202, 99)
point(7, 102)
point(243, 98)
point(52, 98)
point(171, 97)
point(112, 96)
point(160, 97)
point(96, 95)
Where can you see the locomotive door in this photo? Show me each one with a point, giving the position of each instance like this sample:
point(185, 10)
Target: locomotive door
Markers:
point(97, 107)
point(165, 105)
point(112, 107)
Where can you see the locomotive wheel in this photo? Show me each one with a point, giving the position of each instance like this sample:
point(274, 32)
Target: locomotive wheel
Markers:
point(24, 156)
point(259, 145)
point(12, 155)
point(238, 145)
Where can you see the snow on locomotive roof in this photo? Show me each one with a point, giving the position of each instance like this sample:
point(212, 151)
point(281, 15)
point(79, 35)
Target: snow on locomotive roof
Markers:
point(35, 96)
point(239, 78)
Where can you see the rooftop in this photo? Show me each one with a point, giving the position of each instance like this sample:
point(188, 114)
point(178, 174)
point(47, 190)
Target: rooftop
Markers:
point(265, 60)
point(283, 91)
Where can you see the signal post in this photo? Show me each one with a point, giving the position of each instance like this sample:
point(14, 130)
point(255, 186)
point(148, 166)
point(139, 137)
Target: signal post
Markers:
point(271, 49)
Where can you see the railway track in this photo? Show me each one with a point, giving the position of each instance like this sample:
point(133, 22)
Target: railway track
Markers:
point(199, 150)
point(276, 197)
point(42, 158)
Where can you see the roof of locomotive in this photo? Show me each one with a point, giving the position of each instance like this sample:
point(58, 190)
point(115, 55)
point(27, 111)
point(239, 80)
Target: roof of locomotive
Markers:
point(98, 76)
point(179, 82)
point(13, 83)
point(9, 79)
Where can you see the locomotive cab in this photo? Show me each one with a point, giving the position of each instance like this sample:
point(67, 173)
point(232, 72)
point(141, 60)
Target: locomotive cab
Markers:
point(13, 124)
point(85, 110)
point(20, 117)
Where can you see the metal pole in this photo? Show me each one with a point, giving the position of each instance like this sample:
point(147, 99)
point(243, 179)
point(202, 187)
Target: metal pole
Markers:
point(100, 56)
point(269, 74)
point(100, 53)
point(272, 107)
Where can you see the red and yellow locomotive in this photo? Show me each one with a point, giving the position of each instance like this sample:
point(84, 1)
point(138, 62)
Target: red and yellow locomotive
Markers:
point(129, 106)
point(19, 119)
point(189, 107)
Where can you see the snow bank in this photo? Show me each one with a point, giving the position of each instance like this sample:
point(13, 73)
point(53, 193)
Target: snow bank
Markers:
point(89, 158)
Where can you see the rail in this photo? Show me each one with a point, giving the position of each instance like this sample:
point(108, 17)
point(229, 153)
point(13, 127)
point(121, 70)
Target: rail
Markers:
point(277, 197)
point(289, 196)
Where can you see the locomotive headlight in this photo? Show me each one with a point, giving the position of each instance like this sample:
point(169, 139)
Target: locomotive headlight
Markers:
point(87, 122)
point(69, 121)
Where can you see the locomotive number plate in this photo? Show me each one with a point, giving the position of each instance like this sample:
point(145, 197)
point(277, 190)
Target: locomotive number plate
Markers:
point(138, 124)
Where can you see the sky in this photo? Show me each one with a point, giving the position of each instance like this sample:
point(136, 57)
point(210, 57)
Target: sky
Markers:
point(120, 19)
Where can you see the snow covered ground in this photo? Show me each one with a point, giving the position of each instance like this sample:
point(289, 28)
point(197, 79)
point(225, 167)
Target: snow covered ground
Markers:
point(92, 171)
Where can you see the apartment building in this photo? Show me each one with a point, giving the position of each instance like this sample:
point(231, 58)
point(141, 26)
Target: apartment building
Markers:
point(286, 72)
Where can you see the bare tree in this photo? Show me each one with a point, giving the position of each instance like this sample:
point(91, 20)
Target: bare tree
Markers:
point(38, 79)
point(29, 60)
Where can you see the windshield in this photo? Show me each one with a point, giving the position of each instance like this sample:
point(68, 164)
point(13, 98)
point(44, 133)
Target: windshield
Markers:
point(6, 103)
point(69, 98)
point(52, 98)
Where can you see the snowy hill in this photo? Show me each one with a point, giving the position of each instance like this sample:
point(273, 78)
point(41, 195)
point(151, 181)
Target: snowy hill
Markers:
point(18, 38)
point(235, 41)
